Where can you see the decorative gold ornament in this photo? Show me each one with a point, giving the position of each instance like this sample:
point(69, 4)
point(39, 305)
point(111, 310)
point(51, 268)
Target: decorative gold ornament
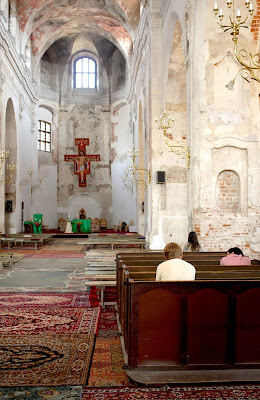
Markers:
point(11, 168)
point(233, 22)
point(164, 123)
point(135, 174)
point(29, 180)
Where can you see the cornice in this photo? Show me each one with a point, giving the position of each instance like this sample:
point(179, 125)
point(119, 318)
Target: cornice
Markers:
point(165, 8)
point(140, 50)
point(16, 66)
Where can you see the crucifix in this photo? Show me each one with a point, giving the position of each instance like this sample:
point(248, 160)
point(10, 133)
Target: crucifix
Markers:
point(82, 161)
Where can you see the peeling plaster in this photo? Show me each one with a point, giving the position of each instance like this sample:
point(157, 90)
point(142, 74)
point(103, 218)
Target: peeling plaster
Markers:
point(46, 21)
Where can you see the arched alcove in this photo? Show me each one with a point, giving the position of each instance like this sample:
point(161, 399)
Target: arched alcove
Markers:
point(86, 201)
point(10, 185)
point(228, 192)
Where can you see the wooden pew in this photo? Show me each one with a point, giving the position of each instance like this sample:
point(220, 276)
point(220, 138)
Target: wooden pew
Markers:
point(150, 259)
point(149, 273)
point(193, 332)
point(202, 265)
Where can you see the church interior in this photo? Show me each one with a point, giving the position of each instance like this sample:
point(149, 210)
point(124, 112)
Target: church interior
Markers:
point(125, 125)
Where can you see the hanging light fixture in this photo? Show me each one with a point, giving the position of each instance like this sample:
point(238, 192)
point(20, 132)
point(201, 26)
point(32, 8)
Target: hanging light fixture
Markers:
point(11, 168)
point(239, 16)
point(136, 174)
point(164, 123)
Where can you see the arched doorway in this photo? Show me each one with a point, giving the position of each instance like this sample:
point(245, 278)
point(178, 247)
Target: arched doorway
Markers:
point(10, 184)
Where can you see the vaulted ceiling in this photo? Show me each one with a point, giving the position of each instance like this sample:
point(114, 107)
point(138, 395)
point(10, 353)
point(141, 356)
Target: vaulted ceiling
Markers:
point(47, 21)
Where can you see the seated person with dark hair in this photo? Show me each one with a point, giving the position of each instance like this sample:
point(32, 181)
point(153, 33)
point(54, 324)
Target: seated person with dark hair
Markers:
point(174, 269)
point(235, 256)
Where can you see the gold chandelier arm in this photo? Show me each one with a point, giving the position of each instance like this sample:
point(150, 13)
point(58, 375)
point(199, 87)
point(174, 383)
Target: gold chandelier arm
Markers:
point(250, 69)
point(180, 149)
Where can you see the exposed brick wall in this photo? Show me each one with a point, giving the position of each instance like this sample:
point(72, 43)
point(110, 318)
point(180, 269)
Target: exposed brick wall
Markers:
point(219, 232)
point(228, 192)
point(256, 20)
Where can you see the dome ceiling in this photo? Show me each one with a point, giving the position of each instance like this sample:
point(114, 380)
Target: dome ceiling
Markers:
point(47, 21)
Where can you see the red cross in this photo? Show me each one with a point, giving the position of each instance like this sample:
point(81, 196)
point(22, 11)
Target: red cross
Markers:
point(82, 161)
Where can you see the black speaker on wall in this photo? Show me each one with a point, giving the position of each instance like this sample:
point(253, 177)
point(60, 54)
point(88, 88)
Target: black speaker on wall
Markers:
point(9, 205)
point(160, 177)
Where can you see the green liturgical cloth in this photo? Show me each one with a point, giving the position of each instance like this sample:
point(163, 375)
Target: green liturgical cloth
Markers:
point(37, 219)
point(81, 225)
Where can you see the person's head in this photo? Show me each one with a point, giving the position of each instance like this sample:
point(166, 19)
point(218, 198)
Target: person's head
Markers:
point(81, 153)
point(235, 250)
point(193, 240)
point(172, 250)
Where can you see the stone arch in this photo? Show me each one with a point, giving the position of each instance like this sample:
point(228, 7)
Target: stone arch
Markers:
point(228, 192)
point(10, 185)
point(86, 201)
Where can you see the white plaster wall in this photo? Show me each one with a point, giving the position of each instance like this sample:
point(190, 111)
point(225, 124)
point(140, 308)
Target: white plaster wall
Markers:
point(122, 199)
point(90, 204)
point(45, 198)
point(27, 146)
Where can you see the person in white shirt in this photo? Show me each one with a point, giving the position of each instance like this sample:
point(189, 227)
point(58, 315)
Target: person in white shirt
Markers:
point(174, 269)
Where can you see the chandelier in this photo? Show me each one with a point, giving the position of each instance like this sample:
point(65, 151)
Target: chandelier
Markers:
point(135, 174)
point(237, 17)
point(11, 168)
point(164, 123)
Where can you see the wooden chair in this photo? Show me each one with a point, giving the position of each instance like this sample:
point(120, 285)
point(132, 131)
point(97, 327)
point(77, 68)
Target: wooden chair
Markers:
point(103, 223)
point(118, 227)
point(62, 224)
point(95, 227)
point(82, 214)
point(127, 226)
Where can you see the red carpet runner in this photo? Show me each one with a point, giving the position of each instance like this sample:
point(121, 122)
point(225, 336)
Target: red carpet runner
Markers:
point(176, 393)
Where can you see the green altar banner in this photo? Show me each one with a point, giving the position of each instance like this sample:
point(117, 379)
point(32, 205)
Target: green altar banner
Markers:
point(81, 225)
point(37, 219)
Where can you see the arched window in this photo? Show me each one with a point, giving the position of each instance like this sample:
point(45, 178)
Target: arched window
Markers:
point(44, 136)
point(85, 73)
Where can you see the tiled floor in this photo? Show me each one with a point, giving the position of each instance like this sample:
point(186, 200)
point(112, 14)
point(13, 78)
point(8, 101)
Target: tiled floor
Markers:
point(43, 274)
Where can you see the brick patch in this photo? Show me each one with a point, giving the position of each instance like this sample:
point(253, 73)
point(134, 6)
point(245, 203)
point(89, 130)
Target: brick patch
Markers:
point(228, 192)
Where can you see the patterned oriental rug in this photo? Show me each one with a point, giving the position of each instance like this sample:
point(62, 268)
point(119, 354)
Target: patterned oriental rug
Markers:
point(54, 254)
point(46, 346)
point(109, 293)
point(107, 363)
point(62, 247)
point(41, 393)
point(246, 392)
point(60, 299)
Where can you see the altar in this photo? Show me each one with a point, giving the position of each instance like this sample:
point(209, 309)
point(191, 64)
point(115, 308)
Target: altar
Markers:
point(80, 225)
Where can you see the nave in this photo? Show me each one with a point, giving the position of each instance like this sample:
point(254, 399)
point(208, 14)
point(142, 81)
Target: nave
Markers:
point(48, 314)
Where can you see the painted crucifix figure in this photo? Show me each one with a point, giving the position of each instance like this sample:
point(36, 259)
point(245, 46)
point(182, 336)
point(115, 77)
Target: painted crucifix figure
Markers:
point(82, 161)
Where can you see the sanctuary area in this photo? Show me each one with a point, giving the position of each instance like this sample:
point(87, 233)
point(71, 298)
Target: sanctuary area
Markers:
point(134, 111)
